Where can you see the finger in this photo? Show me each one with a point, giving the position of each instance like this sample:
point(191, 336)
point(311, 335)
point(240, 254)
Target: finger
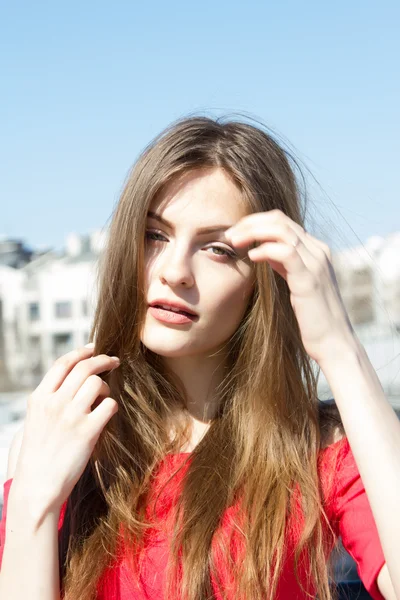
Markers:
point(93, 389)
point(277, 232)
point(276, 225)
point(267, 218)
point(312, 250)
point(93, 366)
point(60, 369)
point(286, 254)
point(316, 243)
point(262, 232)
point(100, 416)
point(309, 247)
point(311, 242)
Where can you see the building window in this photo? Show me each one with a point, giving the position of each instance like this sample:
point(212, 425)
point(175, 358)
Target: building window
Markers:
point(62, 343)
point(34, 311)
point(63, 310)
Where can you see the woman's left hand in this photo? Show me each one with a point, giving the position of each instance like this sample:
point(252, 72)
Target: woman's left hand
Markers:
point(305, 263)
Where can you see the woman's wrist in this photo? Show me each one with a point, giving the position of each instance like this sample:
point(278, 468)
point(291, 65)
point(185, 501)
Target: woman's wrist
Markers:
point(343, 350)
point(29, 505)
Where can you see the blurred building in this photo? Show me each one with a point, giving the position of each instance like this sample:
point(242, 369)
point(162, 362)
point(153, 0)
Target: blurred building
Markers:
point(45, 309)
point(13, 253)
point(369, 282)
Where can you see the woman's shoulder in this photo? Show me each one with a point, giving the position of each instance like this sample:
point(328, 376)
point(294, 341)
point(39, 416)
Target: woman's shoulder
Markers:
point(330, 424)
point(335, 458)
point(338, 471)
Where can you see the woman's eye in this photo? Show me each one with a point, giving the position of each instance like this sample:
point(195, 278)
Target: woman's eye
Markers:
point(223, 251)
point(226, 252)
point(150, 233)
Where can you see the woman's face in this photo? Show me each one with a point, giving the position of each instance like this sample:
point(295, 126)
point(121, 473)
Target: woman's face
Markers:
point(195, 268)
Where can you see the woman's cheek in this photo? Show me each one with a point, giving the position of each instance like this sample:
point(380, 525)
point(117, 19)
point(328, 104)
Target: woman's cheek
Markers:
point(232, 302)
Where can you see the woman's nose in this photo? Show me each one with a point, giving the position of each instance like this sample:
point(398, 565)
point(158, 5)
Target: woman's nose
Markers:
point(176, 268)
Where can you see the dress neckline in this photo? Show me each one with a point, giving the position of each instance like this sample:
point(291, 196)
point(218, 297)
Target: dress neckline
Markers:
point(332, 446)
point(178, 453)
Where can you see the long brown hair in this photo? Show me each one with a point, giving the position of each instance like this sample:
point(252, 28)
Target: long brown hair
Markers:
point(267, 434)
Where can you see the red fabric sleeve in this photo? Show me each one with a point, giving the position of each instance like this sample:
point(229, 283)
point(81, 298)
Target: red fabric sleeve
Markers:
point(354, 521)
point(7, 486)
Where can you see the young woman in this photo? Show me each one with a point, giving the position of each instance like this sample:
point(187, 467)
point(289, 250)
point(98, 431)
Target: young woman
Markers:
point(200, 463)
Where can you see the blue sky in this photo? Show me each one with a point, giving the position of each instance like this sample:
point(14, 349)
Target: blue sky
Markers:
point(86, 85)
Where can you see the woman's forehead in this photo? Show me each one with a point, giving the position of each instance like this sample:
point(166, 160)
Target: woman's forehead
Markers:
point(209, 195)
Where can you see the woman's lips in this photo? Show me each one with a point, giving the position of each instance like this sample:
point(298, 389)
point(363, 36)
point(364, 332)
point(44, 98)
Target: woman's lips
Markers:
point(168, 316)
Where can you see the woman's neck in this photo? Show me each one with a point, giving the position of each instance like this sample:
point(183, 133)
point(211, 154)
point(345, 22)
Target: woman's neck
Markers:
point(200, 377)
point(199, 429)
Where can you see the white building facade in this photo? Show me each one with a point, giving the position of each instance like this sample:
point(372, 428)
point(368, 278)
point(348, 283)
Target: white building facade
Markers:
point(47, 308)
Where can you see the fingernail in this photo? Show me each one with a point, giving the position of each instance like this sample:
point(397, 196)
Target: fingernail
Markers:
point(90, 345)
point(116, 358)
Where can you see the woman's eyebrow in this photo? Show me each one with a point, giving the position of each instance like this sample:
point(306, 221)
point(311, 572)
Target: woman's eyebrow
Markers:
point(211, 229)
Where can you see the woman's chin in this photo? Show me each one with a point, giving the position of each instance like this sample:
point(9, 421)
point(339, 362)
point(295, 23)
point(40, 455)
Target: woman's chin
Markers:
point(166, 347)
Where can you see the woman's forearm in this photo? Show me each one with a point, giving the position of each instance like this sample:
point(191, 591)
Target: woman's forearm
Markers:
point(30, 562)
point(373, 431)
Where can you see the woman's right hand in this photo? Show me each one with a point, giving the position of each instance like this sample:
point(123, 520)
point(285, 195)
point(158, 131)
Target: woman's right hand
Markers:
point(61, 429)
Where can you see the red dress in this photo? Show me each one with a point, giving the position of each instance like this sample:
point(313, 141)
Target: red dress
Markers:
point(348, 511)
